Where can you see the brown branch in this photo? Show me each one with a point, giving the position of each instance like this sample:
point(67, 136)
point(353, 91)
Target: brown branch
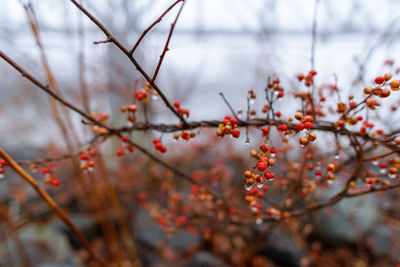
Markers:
point(51, 203)
point(151, 26)
point(167, 43)
point(131, 58)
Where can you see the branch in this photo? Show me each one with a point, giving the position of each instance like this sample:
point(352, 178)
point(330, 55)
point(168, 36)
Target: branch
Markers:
point(131, 58)
point(167, 43)
point(151, 26)
point(51, 203)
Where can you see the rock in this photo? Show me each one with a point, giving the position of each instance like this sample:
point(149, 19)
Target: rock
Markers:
point(204, 259)
point(44, 246)
point(282, 249)
point(342, 223)
point(150, 233)
point(85, 224)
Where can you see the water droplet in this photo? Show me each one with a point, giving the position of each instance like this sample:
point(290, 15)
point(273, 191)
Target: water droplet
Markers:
point(252, 101)
point(247, 143)
point(260, 185)
point(259, 221)
point(248, 187)
point(174, 140)
point(392, 176)
point(303, 146)
point(254, 209)
point(90, 169)
point(382, 171)
point(329, 181)
point(2, 176)
point(239, 115)
point(375, 162)
point(273, 155)
point(154, 97)
point(337, 156)
point(130, 124)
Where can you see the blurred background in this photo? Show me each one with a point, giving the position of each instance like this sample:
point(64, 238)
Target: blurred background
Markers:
point(224, 46)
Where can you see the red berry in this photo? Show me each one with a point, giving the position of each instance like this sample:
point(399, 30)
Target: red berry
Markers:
point(177, 104)
point(236, 133)
point(265, 188)
point(2, 170)
point(299, 127)
point(124, 138)
point(55, 182)
point(158, 146)
point(3, 162)
point(156, 140)
point(163, 149)
point(120, 152)
point(313, 72)
point(92, 153)
point(379, 79)
point(46, 171)
point(265, 131)
point(260, 194)
point(186, 112)
point(264, 148)
point(83, 157)
point(308, 125)
point(261, 166)
point(300, 77)
point(234, 121)
point(278, 114)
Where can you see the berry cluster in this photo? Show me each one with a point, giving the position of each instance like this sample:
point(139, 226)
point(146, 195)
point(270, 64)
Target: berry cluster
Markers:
point(49, 177)
point(309, 79)
point(228, 126)
point(185, 135)
point(180, 110)
point(125, 146)
point(159, 146)
point(130, 109)
point(86, 162)
point(3, 163)
point(278, 89)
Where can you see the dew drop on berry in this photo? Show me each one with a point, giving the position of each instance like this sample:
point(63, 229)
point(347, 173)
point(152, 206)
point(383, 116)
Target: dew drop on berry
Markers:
point(2, 176)
point(259, 221)
point(248, 187)
point(337, 156)
point(382, 171)
point(154, 97)
point(392, 176)
point(273, 155)
point(329, 181)
point(260, 185)
point(252, 101)
point(375, 162)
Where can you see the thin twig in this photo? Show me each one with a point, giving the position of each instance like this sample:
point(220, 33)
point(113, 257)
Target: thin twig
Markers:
point(151, 26)
point(171, 31)
point(131, 58)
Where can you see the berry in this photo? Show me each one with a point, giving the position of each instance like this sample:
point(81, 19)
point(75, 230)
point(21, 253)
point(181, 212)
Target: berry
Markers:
point(261, 166)
point(177, 104)
point(120, 152)
point(299, 127)
point(236, 133)
point(308, 125)
point(156, 140)
point(379, 80)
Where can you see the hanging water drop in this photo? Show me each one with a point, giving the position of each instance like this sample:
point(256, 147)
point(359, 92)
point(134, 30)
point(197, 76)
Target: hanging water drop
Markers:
point(252, 101)
point(248, 187)
point(392, 176)
point(259, 221)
